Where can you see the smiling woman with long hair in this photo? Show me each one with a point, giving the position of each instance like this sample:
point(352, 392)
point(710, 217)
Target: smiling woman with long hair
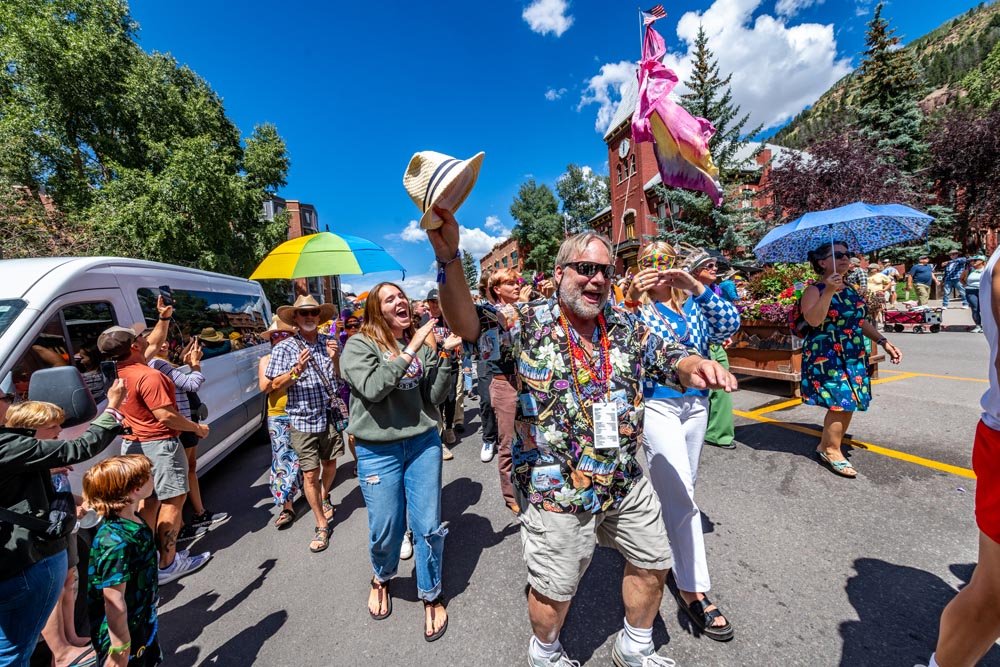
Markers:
point(397, 377)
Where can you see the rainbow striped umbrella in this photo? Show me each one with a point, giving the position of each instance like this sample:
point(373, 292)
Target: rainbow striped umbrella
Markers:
point(325, 254)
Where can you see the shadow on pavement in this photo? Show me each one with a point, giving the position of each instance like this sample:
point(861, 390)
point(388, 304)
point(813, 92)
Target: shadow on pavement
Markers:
point(184, 624)
point(244, 647)
point(597, 612)
point(899, 608)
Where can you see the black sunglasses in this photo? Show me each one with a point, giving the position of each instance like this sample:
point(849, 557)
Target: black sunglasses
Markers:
point(308, 313)
point(590, 269)
point(839, 255)
point(352, 325)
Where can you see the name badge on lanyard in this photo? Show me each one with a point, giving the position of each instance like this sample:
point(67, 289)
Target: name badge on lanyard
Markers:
point(606, 425)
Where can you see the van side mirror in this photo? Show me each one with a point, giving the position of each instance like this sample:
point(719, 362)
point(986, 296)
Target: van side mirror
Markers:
point(64, 386)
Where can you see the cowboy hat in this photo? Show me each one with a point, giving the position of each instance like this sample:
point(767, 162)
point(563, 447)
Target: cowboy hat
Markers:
point(210, 335)
point(287, 313)
point(278, 325)
point(435, 179)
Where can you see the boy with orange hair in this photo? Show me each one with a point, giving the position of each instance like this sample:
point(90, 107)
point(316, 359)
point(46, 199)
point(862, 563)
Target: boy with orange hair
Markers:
point(123, 564)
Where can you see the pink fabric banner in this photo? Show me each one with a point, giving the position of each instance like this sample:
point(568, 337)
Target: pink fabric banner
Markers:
point(680, 141)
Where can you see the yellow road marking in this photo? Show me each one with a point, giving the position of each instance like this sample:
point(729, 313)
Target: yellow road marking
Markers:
point(940, 377)
point(798, 401)
point(901, 376)
point(877, 449)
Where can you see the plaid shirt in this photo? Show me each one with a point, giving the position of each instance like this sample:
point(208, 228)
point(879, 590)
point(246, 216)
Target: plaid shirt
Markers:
point(953, 271)
point(308, 400)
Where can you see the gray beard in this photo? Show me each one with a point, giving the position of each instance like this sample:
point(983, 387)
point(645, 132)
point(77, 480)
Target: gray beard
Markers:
point(571, 297)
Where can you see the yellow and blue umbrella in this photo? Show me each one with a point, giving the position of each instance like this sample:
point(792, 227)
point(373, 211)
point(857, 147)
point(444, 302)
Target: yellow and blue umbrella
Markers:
point(325, 254)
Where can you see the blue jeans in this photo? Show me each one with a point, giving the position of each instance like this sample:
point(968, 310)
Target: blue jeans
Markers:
point(26, 600)
point(398, 480)
point(949, 285)
point(972, 297)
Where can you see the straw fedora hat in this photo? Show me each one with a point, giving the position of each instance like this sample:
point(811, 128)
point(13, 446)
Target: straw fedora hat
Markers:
point(211, 335)
point(278, 325)
point(435, 179)
point(287, 313)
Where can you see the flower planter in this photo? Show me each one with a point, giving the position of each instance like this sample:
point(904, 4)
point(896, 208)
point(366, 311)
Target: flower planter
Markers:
point(767, 350)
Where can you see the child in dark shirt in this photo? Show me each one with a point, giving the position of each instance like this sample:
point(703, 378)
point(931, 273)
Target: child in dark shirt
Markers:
point(122, 575)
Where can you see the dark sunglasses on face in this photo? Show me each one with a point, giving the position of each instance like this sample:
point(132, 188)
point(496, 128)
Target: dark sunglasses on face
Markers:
point(590, 269)
point(308, 313)
point(352, 325)
point(838, 255)
point(277, 336)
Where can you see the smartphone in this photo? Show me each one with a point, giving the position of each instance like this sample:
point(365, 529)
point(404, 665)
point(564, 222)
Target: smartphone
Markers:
point(167, 295)
point(109, 369)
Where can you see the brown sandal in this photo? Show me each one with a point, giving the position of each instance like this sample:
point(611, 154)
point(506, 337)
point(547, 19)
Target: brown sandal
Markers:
point(321, 536)
point(376, 586)
point(431, 604)
point(285, 519)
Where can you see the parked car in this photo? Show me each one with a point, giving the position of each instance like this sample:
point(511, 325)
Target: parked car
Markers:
point(53, 309)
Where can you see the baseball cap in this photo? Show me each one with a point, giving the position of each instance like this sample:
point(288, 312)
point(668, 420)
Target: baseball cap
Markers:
point(432, 295)
point(116, 341)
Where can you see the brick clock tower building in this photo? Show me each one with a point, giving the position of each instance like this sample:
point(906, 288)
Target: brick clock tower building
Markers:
point(630, 221)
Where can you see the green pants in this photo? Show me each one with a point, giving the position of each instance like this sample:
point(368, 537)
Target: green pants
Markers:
point(720, 406)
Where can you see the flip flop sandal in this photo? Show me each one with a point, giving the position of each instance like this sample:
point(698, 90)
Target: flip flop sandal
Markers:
point(837, 467)
point(439, 600)
point(696, 612)
point(285, 519)
point(322, 535)
point(388, 599)
point(329, 510)
point(85, 659)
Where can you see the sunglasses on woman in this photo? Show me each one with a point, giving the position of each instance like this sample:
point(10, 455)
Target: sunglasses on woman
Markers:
point(351, 325)
point(278, 336)
point(590, 269)
point(839, 255)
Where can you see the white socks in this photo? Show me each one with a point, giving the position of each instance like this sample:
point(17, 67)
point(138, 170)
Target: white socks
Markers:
point(544, 651)
point(636, 640)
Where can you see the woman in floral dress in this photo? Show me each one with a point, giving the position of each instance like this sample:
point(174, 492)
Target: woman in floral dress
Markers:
point(834, 357)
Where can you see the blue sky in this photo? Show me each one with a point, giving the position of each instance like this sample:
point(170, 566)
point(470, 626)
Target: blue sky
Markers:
point(355, 88)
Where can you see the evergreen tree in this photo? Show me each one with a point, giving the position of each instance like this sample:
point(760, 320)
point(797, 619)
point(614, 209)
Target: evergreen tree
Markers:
point(583, 194)
point(728, 227)
point(471, 272)
point(888, 110)
point(539, 228)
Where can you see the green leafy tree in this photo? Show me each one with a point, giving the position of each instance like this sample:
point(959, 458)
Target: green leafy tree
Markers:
point(539, 227)
point(583, 194)
point(728, 227)
point(888, 109)
point(135, 151)
point(983, 83)
point(471, 272)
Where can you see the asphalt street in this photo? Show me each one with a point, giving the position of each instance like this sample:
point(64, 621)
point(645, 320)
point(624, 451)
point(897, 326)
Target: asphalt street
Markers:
point(812, 569)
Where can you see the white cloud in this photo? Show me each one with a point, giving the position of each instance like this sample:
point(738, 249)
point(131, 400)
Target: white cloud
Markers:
point(553, 94)
point(790, 8)
point(605, 88)
point(778, 69)
point(545, 16)
point(472, 240)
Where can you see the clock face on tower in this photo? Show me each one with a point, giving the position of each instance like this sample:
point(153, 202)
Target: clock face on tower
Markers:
point(623, 148)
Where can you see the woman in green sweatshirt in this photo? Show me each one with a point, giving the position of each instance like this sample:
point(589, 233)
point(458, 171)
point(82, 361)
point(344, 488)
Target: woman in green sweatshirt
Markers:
point(397, 377)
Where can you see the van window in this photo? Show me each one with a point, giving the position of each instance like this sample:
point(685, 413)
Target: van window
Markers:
point(223, 322)
point(69, 337)
point(9, 310)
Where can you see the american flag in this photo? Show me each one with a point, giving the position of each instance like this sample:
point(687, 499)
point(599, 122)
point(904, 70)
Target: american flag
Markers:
point(653, 13)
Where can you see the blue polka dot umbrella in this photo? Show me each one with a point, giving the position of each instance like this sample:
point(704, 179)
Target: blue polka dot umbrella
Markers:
point(861, 227)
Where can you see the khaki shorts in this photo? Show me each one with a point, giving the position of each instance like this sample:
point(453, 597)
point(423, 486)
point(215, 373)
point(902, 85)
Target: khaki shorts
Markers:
point(315, 447)
point(557, 548)
point(170, 466)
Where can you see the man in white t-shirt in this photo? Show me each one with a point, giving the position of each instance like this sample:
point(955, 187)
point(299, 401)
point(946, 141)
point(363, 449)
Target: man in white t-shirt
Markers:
point(970, 624)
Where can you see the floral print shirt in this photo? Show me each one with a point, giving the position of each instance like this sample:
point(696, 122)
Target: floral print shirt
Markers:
point(556, 465)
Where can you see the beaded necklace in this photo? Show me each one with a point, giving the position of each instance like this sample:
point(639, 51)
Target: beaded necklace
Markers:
point(590, 381)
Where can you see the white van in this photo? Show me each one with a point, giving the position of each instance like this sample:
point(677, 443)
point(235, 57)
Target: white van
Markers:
point(53, 309)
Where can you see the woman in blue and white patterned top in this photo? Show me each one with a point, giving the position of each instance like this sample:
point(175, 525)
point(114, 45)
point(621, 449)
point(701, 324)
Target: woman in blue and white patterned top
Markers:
point(679, 307)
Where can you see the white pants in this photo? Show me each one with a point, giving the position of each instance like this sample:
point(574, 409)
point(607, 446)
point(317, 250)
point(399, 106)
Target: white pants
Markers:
point(672, 438)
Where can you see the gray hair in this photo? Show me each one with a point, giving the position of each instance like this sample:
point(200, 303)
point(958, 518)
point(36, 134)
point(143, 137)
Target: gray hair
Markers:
point(577, 244)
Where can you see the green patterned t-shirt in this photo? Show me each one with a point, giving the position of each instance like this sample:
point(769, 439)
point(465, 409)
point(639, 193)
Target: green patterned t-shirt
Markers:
point(123, 552)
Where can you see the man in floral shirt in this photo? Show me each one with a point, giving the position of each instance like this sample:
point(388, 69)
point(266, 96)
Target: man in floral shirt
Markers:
point(580, 364)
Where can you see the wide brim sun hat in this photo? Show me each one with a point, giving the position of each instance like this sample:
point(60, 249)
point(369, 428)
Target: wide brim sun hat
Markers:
point(287, 313)
point(438, 180)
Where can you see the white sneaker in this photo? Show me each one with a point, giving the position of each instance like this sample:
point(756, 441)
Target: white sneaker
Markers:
point(406, 551)
point(446, 453)
point(184, 564)
point(488, 452)
point(976, 330)
point(448, 437)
